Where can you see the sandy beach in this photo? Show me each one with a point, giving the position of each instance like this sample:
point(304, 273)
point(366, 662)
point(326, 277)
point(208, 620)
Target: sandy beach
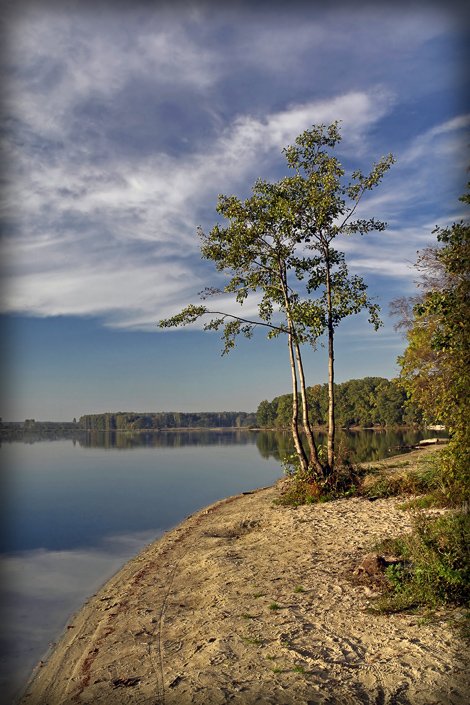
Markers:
point(248, 602)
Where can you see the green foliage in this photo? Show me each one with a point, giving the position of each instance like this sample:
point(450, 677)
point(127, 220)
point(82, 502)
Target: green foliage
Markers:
point(435, 367)
point(454, 470)
point(130, 421)
point(324, 205)
point(435, 565)
point(265, 415)
point(372, 401)
point(435, 372)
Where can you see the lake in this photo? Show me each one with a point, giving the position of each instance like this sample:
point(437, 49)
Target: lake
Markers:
point(77, 509)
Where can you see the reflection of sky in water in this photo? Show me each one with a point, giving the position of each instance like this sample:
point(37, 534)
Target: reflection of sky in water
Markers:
point(39, 591)
point(61, 496)
point(73, 515)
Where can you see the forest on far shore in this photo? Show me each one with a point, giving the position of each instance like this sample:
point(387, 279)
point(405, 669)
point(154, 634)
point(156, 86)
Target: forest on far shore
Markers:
point(367, 402)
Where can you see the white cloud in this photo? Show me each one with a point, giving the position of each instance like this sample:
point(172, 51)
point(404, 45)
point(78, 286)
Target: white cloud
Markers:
point(113, 290)
point(67, 57)
point(95, 228)
point(392, 253)
point(357, 110)
point(74, 249)
point(445, 138)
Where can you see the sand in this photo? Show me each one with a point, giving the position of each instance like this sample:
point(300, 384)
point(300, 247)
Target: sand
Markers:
point(251, 603)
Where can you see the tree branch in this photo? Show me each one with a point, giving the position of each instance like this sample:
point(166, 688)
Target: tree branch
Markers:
point(246, 320)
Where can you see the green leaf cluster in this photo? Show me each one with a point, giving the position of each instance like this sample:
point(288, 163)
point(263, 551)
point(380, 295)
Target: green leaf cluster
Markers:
point(152, 421)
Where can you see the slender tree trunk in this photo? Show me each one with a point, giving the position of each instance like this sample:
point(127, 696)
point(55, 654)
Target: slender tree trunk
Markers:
point(314, 460)
point(295, 393)
point(295, 407)
point(331, 372)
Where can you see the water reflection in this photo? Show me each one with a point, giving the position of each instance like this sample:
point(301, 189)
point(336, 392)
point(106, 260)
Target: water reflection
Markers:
point(356, 446)
point(76, 509)
point(359, 446)
point(165, 439)
point(39, 591)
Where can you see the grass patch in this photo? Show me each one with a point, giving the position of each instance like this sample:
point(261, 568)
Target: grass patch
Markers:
point(252, 641)
point(402, 479)
point(431, 476)
point(426, 475)
point(299, 669)
point(435, 565)
point(426, 501)
point(274, 606)
point(434, 568)
point(299, 588)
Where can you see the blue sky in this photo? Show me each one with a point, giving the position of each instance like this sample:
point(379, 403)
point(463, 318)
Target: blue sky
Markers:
point(120, 128)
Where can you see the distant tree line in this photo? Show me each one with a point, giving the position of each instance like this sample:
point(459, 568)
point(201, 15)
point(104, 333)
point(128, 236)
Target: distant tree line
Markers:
point(38, 426)
point(32, 430)
point(130, 421)
point(372, 401)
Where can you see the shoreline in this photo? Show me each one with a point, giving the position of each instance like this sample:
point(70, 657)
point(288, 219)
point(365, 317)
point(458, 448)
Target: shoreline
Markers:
point(57, 427)
point(249, 602)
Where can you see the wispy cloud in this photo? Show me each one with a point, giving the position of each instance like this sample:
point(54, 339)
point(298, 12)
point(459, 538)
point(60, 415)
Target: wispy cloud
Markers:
point(122, 128)
point(72, 249)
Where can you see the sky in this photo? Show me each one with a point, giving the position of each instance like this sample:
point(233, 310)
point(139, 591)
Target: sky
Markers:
point(121, 124)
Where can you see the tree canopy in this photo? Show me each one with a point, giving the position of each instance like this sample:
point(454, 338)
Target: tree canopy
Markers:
point(367, 402)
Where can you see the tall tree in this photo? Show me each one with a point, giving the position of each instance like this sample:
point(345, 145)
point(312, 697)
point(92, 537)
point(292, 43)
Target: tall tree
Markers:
point(324, 205)
point(278, 244)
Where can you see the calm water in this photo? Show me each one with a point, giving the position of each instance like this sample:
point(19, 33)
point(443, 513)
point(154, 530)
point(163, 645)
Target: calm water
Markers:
point(76, 510)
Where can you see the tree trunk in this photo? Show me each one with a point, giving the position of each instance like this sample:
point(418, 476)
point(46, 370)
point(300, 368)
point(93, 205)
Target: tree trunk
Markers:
point(295, 393)
point(295, 408)
point(331, 372)
point(314, 460)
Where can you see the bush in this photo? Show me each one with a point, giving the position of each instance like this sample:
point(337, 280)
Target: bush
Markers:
point(435, 565)
point(452, 479)
point(305, 488)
